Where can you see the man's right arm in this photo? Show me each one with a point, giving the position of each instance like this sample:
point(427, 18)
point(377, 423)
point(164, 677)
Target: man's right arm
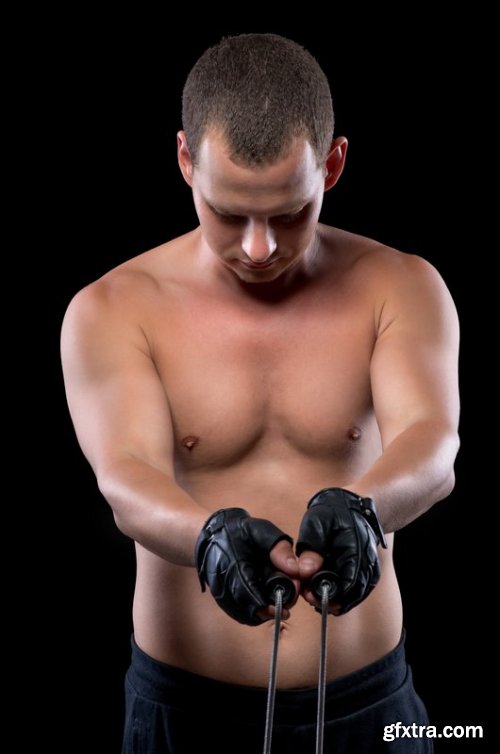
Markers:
point(122, 420)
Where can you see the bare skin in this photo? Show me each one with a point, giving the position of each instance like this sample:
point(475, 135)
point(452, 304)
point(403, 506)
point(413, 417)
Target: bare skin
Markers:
point(250, 363)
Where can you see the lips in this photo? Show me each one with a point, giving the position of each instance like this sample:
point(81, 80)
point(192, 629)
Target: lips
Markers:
point(262, 266)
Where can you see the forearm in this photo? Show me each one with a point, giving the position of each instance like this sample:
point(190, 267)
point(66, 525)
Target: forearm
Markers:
point(151, 508)
point(414, 472)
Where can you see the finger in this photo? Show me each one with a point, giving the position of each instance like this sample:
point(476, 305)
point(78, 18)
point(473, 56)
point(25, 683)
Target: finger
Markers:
point(309, 563)
point(283, 558)
point(309, 596)
point(334, 608)
point(269, 612)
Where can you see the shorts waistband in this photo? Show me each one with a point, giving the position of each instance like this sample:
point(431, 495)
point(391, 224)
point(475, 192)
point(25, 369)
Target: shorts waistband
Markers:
point(181, 689)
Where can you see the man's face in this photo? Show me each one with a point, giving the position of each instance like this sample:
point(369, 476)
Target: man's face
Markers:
point(260, 222)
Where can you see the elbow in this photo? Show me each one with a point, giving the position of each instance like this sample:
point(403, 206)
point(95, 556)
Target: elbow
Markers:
point(122, 524)
point(446, 487)
point(108, 487)
point(447, 476)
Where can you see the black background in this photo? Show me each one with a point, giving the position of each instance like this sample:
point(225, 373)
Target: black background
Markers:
point(406, 95)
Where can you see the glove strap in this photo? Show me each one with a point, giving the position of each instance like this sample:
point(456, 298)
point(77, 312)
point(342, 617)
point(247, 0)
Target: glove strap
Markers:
point(367, 510)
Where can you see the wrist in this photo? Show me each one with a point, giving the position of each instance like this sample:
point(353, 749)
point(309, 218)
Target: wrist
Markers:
point(328, 494)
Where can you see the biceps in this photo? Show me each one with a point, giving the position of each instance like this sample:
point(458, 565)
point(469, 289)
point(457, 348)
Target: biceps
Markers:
point(414, 379)
point(122, 413)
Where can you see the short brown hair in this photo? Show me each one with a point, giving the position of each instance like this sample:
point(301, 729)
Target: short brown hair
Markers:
point(260, 90)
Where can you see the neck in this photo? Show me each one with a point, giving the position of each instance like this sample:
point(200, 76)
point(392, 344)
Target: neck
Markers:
point(290, 282)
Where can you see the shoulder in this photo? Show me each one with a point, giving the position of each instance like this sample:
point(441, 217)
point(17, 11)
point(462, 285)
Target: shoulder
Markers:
point(126, 292)
point(389, 270)
point(109, 302)
point(396, 283)
point(400, 276)
point(406, 283)
point(366, 255)
point(408, 288)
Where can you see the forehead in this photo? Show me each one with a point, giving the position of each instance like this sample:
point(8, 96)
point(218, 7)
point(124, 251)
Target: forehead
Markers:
point(294, 178)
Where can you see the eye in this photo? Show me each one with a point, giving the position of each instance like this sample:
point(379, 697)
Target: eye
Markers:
point(230, 219)
point(226, 218)
point(293, 218)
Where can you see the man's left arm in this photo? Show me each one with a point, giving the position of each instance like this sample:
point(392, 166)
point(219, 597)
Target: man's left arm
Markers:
point(414, 380)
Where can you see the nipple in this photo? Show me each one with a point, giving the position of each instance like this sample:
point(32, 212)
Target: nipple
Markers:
point(354, 433)
point(190, 441)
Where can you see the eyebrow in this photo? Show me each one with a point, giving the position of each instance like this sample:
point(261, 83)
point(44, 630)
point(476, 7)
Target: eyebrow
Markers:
point(224, 211)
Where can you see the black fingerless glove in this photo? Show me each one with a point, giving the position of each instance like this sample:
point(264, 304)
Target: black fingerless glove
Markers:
point(343, 527)
point(232, 557)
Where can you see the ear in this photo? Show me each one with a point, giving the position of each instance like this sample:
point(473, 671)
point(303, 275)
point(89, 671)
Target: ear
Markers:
point(184, 158)
point(335, 161)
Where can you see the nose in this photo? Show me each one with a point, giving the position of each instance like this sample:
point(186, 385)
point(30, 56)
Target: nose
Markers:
point(258, 241)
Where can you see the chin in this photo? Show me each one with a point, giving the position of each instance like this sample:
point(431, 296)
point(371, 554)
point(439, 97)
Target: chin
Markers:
point(259, 276)
point(263, 275)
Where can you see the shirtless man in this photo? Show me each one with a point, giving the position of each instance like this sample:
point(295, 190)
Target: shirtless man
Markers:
point(249, 364)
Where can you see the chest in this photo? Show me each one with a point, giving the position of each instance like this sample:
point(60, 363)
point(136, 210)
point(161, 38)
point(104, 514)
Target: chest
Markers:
point(235, 380)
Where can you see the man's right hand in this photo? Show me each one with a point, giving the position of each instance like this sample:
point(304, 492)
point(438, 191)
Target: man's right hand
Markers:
point(232, 556)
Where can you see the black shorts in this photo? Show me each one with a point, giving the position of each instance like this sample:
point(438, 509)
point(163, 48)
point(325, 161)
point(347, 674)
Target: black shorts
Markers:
point(172, 711)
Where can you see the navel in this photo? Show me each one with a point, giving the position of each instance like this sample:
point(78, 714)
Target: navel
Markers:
point(354, 433)
point(190, 441)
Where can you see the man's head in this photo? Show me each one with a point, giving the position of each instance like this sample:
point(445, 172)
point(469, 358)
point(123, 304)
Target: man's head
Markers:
point(259, 91)
point(258, 154)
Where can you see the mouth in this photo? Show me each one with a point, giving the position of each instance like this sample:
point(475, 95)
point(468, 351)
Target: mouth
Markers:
point(258, 265)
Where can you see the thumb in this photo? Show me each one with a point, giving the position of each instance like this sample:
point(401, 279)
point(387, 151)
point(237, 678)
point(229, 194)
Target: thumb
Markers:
point(283, 558)
point(309, 563)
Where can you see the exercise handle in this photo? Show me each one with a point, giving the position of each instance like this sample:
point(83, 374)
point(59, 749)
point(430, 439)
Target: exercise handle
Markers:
point(325, 577)
point(278, 580)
